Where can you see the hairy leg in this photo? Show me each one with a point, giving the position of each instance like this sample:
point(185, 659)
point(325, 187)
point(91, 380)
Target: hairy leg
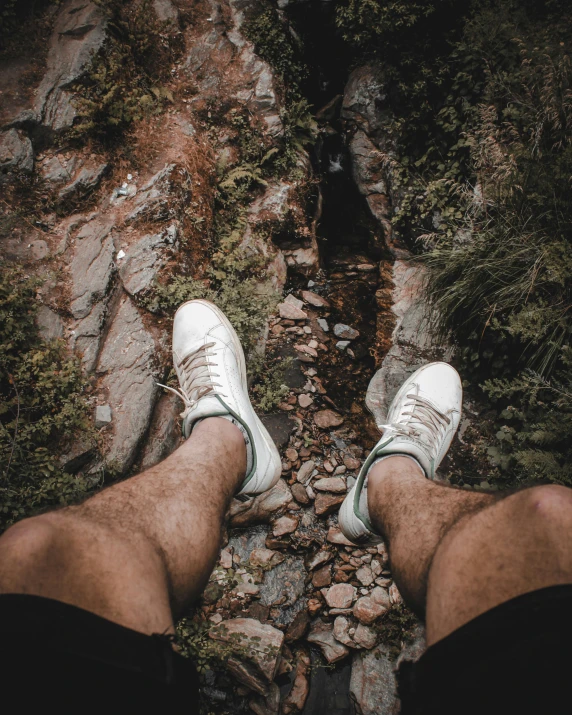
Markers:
point(413, 514)
point(456, 554)
point(140, 550)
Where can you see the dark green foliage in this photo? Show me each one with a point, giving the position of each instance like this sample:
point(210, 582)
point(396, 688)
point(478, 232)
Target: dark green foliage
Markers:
point(127, 79)
point(42, 404)
point(275, 43)
point(482, 99)
point(397, 629)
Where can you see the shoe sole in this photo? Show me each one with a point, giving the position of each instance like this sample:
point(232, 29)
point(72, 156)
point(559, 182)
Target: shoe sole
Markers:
point(238, 347)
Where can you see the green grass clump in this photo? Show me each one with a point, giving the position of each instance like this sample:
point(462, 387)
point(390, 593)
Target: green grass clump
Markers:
point(43, 405)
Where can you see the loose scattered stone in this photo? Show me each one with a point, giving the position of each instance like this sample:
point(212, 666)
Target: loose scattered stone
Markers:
point(291, 454)
point(335, 536)
point(291, 312)
point(226, 559)
point(260, 509)
point(298, 627)
point(319, 558)
point(296, 699)
point(341, 634)
point(341, 345)
point(307, 350)
point(292, 300)
point(367, 611)
point(394, 594)
point(352, 463)
point(300, 495)
point(328, 418)
point(16, 153)
point(314, 606)
point(322, 635)
point(322, 577)
point(330, 484)
point(364, 575)
point(285, 525)
point(341, 595)
point(327, 503)
point(314, 299)
point(323, 323)
point(266, 558)
point(305, 471)
point(305, 400)
point(345, 332)
point(365, 637)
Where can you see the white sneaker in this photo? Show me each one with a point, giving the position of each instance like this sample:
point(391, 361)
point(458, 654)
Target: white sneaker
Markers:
point(209, 362)
point(422, 421)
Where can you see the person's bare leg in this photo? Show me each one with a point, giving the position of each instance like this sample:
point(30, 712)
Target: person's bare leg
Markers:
point(140, 550)
point(413, 514)
point(456, 554)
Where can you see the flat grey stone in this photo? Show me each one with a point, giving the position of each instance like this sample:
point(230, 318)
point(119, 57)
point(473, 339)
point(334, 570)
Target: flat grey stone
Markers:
point(342, 344)
point(92, 266)
point(16, 152)
point(345, 331)
point(372, 683)
point(323, 323)
point(102, 415)
point(88, 179)
point(164, 435)
point(126, 364)
point(87, 335)
point(143, 261)
point(50, 325)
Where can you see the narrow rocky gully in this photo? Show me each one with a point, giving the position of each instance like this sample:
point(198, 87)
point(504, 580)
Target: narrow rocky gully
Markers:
point(305, 621)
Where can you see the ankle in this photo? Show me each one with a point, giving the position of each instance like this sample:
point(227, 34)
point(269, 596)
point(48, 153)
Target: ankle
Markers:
point(228, 433)
point(393, 467)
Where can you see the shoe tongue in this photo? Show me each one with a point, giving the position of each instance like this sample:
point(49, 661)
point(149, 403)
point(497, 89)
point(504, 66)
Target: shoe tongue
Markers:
point(207, 407)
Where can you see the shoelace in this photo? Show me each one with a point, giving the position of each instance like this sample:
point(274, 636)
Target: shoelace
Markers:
point(195, 377)
point(426, 421)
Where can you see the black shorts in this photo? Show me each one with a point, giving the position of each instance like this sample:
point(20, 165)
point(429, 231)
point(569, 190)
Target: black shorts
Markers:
point(57, 658)
point(513, 659)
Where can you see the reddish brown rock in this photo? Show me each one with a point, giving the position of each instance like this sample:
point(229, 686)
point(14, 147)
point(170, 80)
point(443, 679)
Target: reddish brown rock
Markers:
point(314, 606)
point(335, 536)
point(307, 350)
point(314, 299)
point(322, 635)
point(285, 525)
point(300, 494)
point(328, 418)
point(291, 312)
point(298, 627)
point(322, 577)
point(365, 637)
point(291, 454)
point(305, 400)
point(327, 503)
point(394, 594)
point(330, 484)
point(296, 699)
point(352, 463)
point(341, 595)
point(305, 471)
point(367, 611)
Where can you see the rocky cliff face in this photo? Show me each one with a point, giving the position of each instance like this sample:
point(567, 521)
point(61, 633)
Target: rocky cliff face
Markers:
point(115, 224)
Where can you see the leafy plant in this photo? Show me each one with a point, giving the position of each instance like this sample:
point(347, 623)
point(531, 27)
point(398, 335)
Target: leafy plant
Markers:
point(43, 403)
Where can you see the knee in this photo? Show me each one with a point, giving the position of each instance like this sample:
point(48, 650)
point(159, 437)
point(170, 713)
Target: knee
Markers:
point(28, 542)
point(549, 503)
